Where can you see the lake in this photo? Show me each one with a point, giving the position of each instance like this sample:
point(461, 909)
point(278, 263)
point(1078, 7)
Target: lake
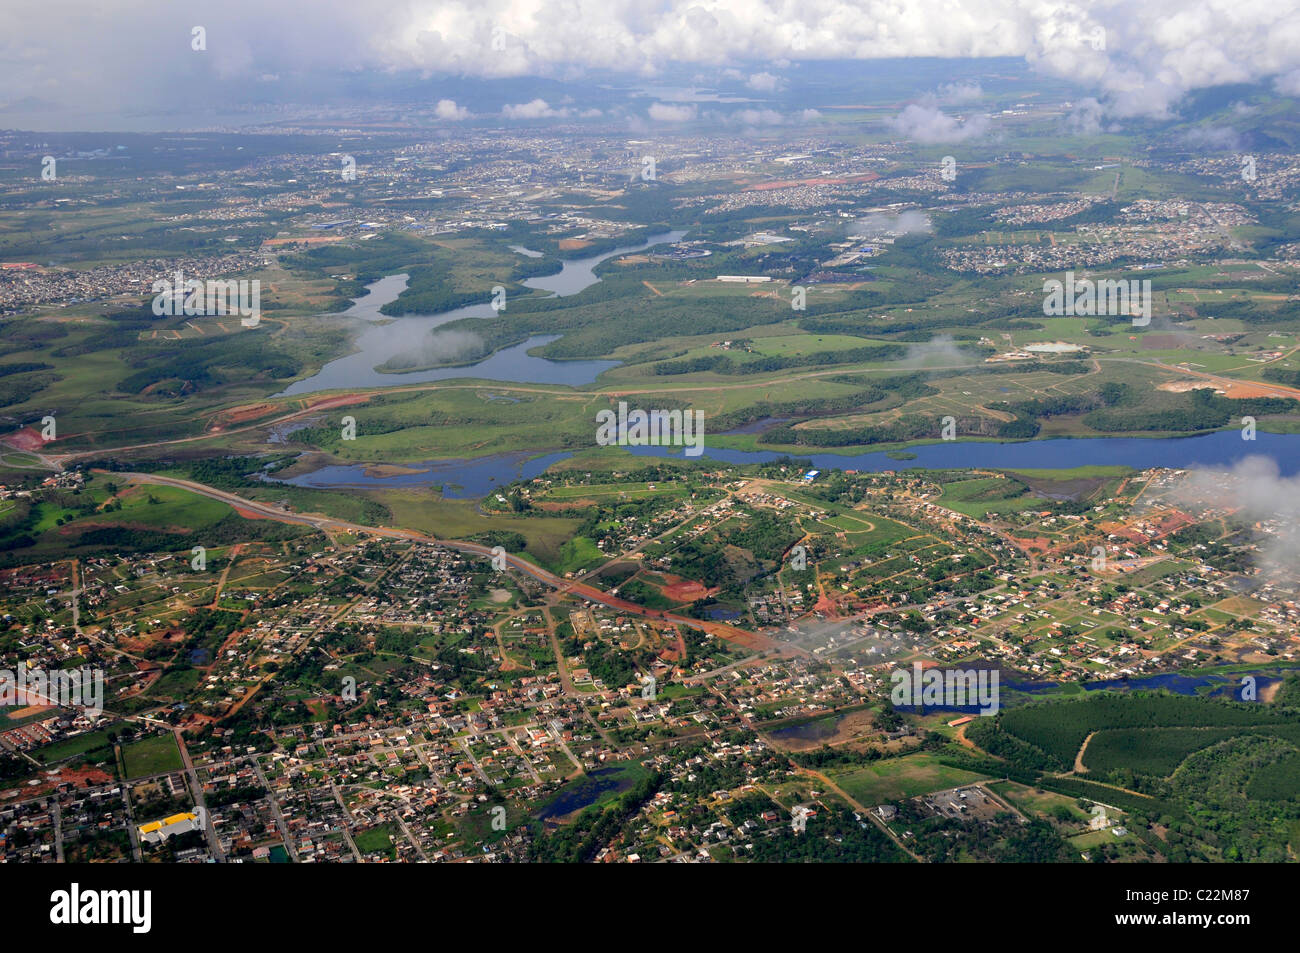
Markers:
point(386, 338)
point(810, 731)
point(585, 791)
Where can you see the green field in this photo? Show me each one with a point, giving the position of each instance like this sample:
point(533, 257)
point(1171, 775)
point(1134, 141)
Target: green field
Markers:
point(150, 756)
point(377, 840)
point(898, 778)
point(78, 745)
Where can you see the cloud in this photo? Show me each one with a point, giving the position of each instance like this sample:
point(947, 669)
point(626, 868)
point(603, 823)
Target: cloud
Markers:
point(1288, 84)
point(1138, 58)
point(930, 124)
point(859, 636)
point(447, 109)
point(764, 82)
point(758, 117)
point(664, 112)
point(1256, 490)
point(1213, 139)
point(534, 109)
point(439, 347)
point(886, 224)
point(940, 351)
point(961, 92)
point(1085, 119)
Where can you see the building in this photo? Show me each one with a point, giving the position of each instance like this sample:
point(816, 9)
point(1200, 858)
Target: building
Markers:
point(156, 832)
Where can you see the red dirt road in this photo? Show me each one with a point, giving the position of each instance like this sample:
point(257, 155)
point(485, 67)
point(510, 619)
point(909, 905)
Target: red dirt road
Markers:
point(751, 640)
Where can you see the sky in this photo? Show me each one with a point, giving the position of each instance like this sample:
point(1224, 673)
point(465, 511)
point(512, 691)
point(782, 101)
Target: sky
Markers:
point(1138, 58)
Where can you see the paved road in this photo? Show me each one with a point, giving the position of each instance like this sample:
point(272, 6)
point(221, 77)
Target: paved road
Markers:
point(275, 809)
point(209, 829)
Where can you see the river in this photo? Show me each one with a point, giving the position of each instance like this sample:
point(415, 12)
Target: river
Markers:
point(480, 476)
point(1214, 450)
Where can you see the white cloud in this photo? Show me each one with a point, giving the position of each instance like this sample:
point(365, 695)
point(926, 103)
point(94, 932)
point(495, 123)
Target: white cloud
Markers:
point(764, 82)
point(664, 112)
point(960, 92)
point(1213, 139)
point(1255, 488)
point(1138, 56)
point(534, 109)
point(1288, 84)
point(758, 117)
point(1085, 118)
point(930, 124)
point(447, 109)
point(884, 224)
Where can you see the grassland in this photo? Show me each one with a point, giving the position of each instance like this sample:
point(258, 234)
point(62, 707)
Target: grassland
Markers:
point(898, 778)
point(150, 756)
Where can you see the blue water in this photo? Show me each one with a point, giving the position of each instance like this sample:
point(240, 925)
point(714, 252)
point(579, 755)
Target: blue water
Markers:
point(481, 476)
point(584, 791)
point(817, 730)
point(1225, 686)
point(459, 479)
point(722, 615)
point(1220, 449)
point(415, 338)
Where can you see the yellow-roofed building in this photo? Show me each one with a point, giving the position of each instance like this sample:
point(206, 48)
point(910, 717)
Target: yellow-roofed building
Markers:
point(155, 832)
